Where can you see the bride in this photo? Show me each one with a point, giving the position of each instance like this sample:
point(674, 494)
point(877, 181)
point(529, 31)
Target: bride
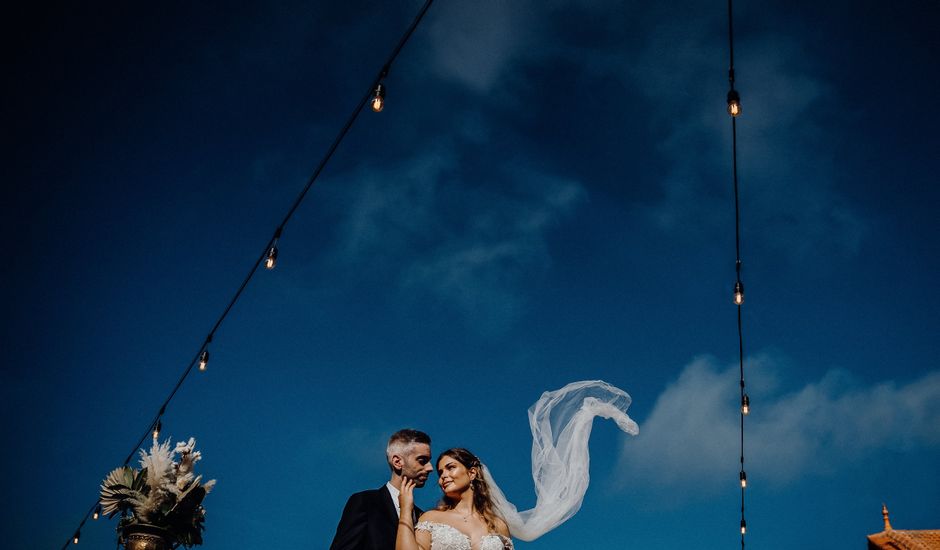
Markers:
point(466, 518)
point(475, 514)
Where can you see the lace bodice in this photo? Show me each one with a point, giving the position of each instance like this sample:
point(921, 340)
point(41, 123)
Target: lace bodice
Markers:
point(446, 537)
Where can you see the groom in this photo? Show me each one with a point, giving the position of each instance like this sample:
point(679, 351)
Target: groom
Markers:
point(370, 518)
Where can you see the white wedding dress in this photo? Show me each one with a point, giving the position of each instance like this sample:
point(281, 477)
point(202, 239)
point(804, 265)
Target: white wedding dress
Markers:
point(446, 537)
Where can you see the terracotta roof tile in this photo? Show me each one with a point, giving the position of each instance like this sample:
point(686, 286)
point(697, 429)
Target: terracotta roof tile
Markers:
point(901, 539)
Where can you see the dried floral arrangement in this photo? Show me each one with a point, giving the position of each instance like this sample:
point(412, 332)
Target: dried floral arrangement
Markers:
point(164, 493)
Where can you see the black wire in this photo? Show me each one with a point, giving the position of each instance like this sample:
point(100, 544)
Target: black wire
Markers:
point(82, 524)
point(737, 245)
point(277, 233)
point(730, 45)
point(355, 114)
point(737, 209)
point(737, 239)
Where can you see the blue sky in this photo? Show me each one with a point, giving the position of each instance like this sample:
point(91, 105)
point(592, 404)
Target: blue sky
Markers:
point(546, 198)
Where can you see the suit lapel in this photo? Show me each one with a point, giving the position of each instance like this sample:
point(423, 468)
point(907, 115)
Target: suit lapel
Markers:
point(387, 506)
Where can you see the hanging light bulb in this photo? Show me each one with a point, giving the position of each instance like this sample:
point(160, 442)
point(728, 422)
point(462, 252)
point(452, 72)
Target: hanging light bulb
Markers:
point(156, 429)
point(378, 98)
point(743, 527)
point(271, 259)
point(743, 479)
point(745, 405)
point(78, 535)
point(97, 513)
point(203, 359)
point(734, 103)
point(738, 293)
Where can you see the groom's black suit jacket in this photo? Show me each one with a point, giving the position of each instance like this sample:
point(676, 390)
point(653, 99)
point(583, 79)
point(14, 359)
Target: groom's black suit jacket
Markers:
point(369, 522)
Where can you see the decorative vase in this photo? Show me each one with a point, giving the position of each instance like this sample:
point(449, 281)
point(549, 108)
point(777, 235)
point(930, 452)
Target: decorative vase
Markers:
point(146, 537)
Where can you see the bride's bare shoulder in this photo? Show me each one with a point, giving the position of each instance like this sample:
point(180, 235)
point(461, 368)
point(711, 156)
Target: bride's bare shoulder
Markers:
point(432, 515)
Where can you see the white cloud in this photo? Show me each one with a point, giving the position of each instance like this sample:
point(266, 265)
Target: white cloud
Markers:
point(691, 437)
point(471, 244)
point(485, 268)
point(394, 209)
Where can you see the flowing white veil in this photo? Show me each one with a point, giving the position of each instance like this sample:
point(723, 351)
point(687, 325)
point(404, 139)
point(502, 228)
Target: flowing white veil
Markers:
point(561, 423)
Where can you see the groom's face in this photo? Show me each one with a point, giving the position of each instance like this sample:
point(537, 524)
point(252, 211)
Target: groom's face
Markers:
point(416, 464)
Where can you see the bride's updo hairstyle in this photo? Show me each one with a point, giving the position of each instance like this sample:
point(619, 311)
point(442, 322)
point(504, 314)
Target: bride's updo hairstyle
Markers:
point(482, 502)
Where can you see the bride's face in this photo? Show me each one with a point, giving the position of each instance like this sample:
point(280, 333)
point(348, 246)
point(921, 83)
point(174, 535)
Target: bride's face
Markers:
point(453, 477)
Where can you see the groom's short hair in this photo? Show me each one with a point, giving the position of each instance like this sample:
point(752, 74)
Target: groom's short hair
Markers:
point(402, 439)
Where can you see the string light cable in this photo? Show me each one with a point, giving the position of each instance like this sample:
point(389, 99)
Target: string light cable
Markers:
point(734, 110)
point(268, 256)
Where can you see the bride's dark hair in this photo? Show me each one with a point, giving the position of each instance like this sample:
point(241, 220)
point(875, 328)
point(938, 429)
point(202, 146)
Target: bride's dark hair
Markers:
point(482, 502)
